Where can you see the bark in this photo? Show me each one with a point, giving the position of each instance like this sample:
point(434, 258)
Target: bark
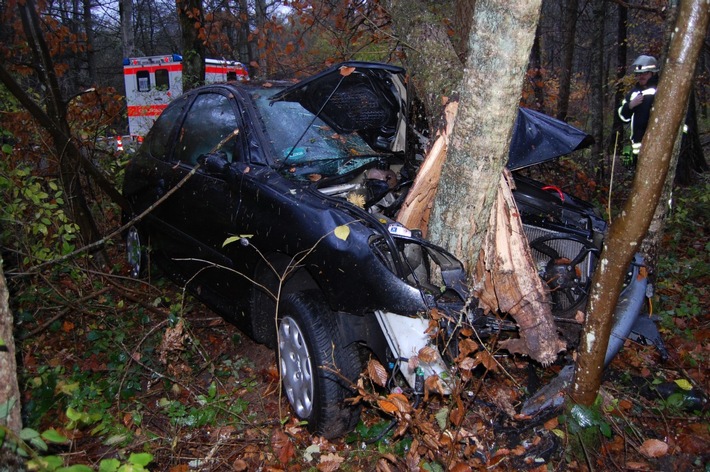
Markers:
point(190, 14)
point(628, 230)
point(416, 208)
point(127, 36)
point(89, 31)
point(9, 389)
point(504, 287)
point(499, 48)
point(617, 128)
point(569, 28)
point(429, 53)
point(537, 79)
point(596, 99)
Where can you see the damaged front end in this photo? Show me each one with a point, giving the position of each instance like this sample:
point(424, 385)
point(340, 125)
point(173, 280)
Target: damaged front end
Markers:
point(420, 346)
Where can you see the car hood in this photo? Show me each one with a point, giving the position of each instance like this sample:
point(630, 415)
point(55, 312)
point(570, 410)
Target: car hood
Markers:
point(364, 97)
point(538, 138)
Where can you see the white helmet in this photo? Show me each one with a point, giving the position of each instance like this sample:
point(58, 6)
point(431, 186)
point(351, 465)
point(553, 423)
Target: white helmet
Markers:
point(645, 64)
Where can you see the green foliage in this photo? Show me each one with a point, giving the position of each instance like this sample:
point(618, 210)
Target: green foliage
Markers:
point(686, 260)
point(34, 223)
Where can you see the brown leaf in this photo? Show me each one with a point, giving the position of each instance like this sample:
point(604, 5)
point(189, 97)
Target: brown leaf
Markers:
point(428, 354)
point(346, 71)
point(400, 401)
point(283, 448)
point(461, 467)
point(552, 424)
point(487, 360)
point(466, 347)
point(653, 448)
point(240, 465)
point(433, 384)
point(469, 363)
point(377, 372)
point(329, 462)
point(387, 406)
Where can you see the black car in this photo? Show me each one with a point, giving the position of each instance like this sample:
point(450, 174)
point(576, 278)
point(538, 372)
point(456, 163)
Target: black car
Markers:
point(274, 205)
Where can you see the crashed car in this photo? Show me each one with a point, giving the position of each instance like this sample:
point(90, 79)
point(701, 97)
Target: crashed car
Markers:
point(274, 205)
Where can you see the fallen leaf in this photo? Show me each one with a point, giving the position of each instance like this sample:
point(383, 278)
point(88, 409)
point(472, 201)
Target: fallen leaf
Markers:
point(329, 462)
point(346, 71)
point(377, 372)
point(653, 448)
point(342, 232)
point(240, 465)
point(427, 354)
point(283, 448)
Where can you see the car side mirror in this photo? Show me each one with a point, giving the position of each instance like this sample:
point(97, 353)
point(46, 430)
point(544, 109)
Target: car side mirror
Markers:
point(214, 163)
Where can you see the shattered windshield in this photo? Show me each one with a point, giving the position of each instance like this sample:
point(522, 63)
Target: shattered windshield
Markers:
point(307, 148)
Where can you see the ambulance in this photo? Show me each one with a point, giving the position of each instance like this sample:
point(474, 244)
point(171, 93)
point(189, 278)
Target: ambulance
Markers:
point(153, 81)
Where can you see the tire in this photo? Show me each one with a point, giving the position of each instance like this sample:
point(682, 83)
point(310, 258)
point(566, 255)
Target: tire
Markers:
point(136, 252)
point(317, 369)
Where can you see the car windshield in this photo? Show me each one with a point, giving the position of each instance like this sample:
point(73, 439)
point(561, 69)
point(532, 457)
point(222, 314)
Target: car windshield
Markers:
point(304, 145)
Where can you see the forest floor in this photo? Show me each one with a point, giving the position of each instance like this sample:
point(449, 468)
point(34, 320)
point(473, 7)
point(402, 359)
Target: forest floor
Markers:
point(120, 367)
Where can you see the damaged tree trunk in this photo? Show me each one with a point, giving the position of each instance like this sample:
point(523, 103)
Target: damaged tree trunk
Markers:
point(509, 283)
point(416, 208)
point(499, 44)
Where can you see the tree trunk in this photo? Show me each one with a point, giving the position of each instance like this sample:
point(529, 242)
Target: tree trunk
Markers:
point(9, 389)
point(617, 128)
point(90, 53)
point(596, 99)
point(430, 52)
point(129, 42)
point(499, 45)
point(628, 230)
point(54, 121)
point(191, 15)
point(569, 28)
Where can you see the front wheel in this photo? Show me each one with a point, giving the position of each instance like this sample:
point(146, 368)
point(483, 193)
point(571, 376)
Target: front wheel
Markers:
point(318, 369)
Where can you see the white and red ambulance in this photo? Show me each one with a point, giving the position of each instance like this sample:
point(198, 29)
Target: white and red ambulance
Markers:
point(153, 81)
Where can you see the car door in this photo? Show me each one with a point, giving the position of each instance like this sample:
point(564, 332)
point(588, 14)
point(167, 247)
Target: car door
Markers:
point(203, 208)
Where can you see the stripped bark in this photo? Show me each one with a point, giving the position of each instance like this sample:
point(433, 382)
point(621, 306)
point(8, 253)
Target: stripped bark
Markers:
point(417, 206)
point(508, 281)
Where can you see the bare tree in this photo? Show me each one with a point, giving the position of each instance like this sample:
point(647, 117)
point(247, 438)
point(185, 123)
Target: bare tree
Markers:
point(629, 228)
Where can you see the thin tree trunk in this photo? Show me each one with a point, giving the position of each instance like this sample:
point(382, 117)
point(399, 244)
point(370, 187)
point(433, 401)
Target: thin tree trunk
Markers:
point(617, 127)
point(127, 36)
point(596, 105)
point(90, 53)
point(628, 230)
point(569, 28)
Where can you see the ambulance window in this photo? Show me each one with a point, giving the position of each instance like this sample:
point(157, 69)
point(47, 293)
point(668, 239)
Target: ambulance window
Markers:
point(143, 78)
point(211, 119)
point(162, 80)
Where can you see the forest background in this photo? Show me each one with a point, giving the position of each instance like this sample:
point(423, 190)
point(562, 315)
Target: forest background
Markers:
point(62, 306)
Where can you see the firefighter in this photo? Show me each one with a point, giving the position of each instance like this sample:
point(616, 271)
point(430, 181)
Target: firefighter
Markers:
point(636, 106)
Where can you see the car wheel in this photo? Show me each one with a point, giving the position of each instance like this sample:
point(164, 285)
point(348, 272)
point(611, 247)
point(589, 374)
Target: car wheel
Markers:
point(136, 253)
point(318, 369)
